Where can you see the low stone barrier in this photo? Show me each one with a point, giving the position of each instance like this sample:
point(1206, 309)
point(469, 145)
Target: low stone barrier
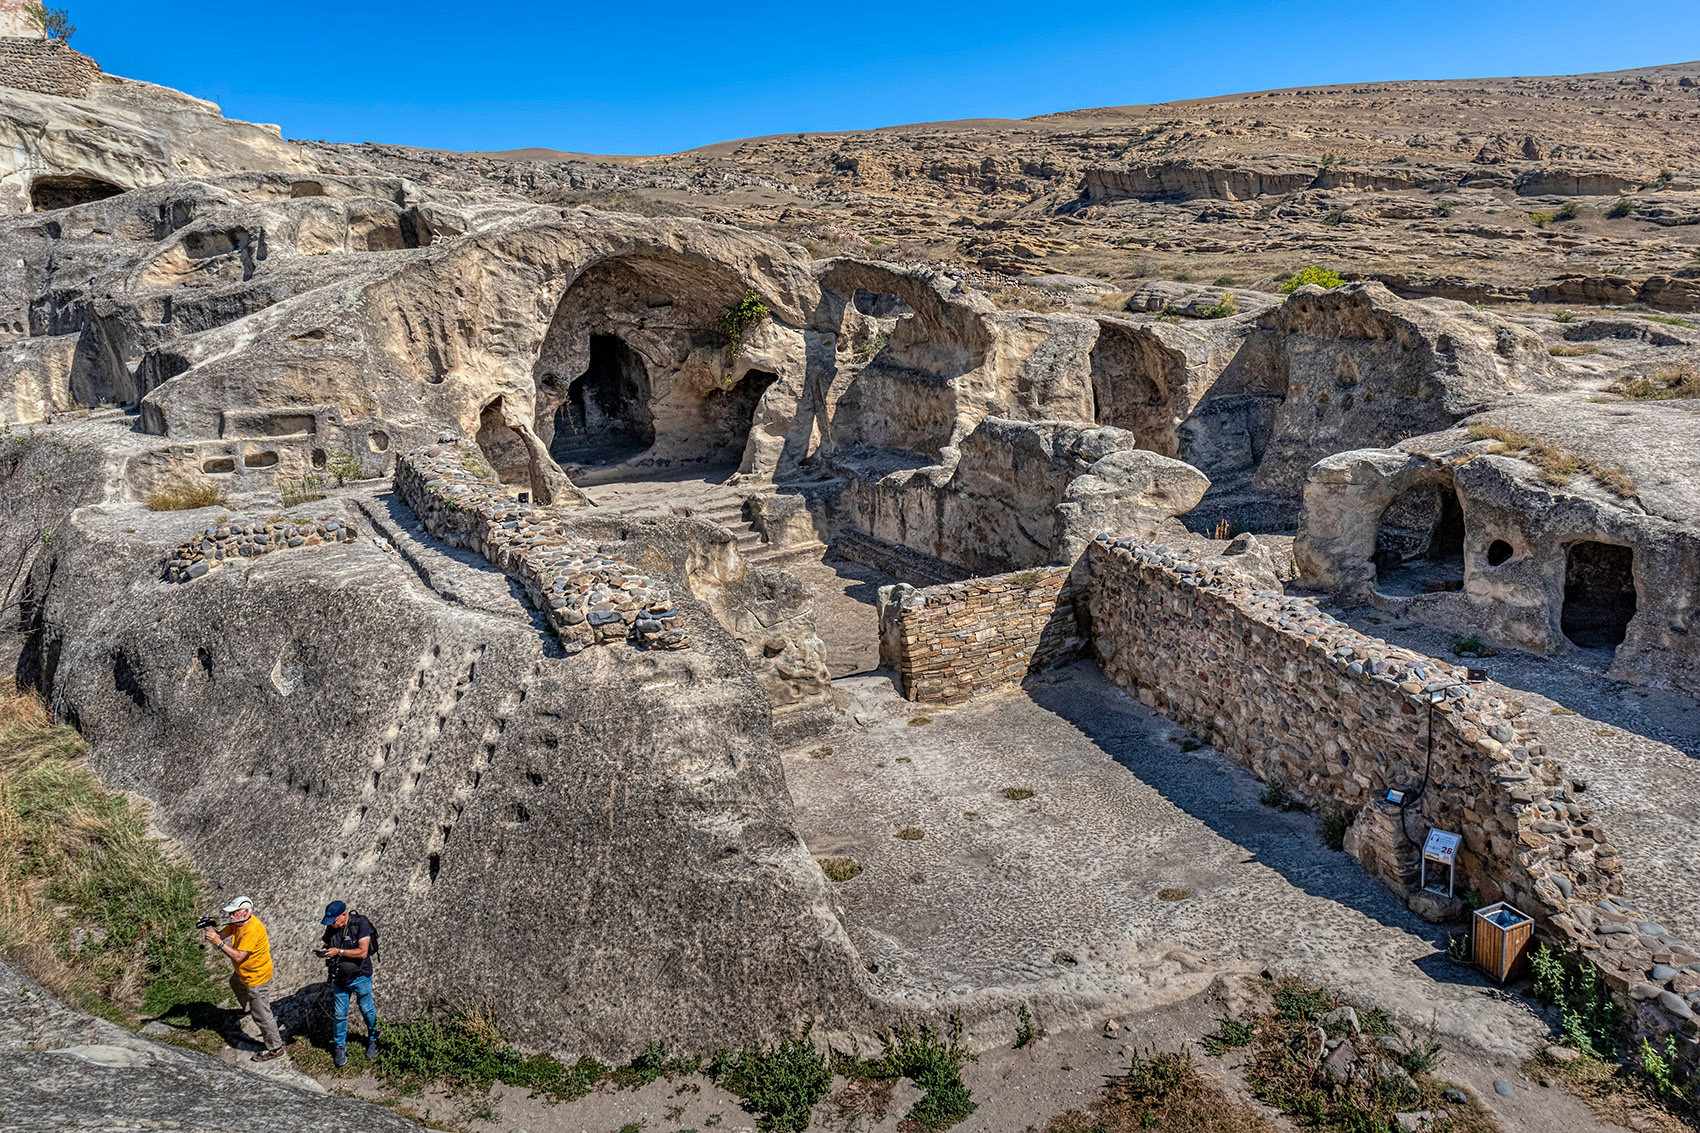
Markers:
point(587, 598)
point(46, 66)
point(951, 642)
point(1337, 718)
point(902, 563)
point(238, 538)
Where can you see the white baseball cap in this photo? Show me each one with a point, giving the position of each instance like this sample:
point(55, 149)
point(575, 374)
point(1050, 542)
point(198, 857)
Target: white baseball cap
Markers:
point(239, 903)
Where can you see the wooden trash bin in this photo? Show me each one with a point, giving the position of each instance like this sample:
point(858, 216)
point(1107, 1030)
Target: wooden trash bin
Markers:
point(1502, 936)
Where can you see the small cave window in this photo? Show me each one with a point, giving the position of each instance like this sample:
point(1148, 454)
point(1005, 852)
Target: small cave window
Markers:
point(1419, 547)
point(1599, 594)
point(1498, 551)
point(49, 193)
point(606, 417)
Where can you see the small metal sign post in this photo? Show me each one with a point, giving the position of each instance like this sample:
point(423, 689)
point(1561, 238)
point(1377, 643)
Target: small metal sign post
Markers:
point(1441, 848)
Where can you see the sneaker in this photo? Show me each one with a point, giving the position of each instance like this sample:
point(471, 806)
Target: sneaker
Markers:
point(371, 1048)
point(340, 1056)
point(269, 1055)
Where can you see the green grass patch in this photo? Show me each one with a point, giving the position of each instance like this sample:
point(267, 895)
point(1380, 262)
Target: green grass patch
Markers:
point(1231, 1035)
point(126, 942)
point(933, 1061)
point(781, 1083)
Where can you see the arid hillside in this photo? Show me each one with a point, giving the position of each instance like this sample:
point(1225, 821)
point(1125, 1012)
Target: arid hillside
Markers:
point(1565, 189)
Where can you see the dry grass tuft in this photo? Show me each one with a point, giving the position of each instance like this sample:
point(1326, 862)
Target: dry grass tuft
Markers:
point(1617, 1094)
point(1017, 794)
point(184, 497)
point(910, 834)
point(1558, 465)
point(1671, 383)
point(1571, 351)
point(840, 869)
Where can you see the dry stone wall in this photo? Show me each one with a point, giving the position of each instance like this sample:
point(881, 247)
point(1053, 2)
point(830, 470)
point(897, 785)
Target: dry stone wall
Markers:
point(586, 597)
point(46, 66)
point(955, 641)
point(1337, 718)
point(237, 538)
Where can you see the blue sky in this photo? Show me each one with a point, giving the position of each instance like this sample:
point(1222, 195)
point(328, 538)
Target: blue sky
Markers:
point(656, 77)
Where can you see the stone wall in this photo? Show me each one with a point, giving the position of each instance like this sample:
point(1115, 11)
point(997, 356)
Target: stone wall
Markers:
point(587, 598)
point(236, 538)
point(951, 642)
point(46, 66)
point(1337, 718)
point(902, 563)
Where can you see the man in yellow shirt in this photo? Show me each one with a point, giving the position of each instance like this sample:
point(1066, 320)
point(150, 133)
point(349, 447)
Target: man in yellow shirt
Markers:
point(245, 942)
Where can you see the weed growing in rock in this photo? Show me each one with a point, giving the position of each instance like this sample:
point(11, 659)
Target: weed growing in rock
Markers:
point(1561, 710)
point(781, 1083)
point(1017, 794)
point(1458, 948)
point(738, 319)
point(920, 721)
point(1469, 645)
point(1589, 1020)
point(1222, 308)
point(1026, 1034)
point(910, 834)
point(1445, 208)
point(344, 464)
point(302, 491)
point(1173, 893)
point(1627, 1096)
point(1571, 351)
point(840, 869)
point(932, 1061)
point(185, 497)
point(1276, 796)
point(1334, 828)
point(1231, 1035)
point(1325, 278)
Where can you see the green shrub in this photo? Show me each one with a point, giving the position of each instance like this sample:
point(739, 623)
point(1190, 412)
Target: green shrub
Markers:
point(1622, 209)
point(932, 1061)
point(741, 317)
point(1276, 795)
point(1569, 212)
point(1589, 1020)
point(1564, 317)
point(1025, 1032)
point(1445, 208)
point(1466, 645)
point(344, 464)
point(1230, 1035)
point(1294, 1001)
point(1221, 309)
point(1541, 219)
point(781, 1083)
point(1325, 278)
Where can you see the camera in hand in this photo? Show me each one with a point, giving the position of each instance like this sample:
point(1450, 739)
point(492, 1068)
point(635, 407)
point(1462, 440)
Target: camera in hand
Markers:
point(207, 922)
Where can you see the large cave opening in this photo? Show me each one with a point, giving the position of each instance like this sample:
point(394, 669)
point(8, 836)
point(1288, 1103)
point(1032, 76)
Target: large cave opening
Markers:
point(1419, 546)
point(1599, 594)
point(49, 193)
point(606, 416)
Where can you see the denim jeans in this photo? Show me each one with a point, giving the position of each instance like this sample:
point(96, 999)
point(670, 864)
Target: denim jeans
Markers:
point(361, 988)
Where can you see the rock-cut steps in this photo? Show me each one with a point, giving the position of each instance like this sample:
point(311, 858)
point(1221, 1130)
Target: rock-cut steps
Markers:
point(712, 502)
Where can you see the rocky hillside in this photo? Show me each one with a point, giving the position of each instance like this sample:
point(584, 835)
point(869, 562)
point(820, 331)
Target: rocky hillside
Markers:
point(1562, 189)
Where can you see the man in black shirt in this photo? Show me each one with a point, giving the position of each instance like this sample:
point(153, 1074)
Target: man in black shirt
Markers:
point(347, 952)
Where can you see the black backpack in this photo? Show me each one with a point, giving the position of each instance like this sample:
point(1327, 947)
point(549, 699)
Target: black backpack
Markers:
point(372, 952)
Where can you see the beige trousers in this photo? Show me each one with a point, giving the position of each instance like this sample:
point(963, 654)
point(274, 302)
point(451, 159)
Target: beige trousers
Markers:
point(256, 1001)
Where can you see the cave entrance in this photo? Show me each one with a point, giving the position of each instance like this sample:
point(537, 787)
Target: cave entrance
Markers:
point(49, 193)
point(503, 447)
point(730, 414)
point(1599, 594)
point(1131, 381)
point(606, 417)
point(1419, 547)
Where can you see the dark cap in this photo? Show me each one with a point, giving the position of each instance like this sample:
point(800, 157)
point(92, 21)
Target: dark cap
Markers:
point(332, 911)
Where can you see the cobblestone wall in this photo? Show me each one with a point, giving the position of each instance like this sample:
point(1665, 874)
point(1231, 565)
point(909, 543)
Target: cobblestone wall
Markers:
point(586, 597)
point(46, 66)
point(952, 642)
point(1336, 718)
point(238, 538)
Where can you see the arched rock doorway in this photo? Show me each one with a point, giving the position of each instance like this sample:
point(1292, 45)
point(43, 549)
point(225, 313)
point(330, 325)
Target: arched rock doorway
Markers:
point(1599, 594)
point(730, 413)
point(606, 416)
point(1419, 546)
point(1133, 380)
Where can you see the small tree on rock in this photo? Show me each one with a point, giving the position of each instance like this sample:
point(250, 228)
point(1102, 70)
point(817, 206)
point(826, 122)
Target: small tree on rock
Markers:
point(53, 23)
